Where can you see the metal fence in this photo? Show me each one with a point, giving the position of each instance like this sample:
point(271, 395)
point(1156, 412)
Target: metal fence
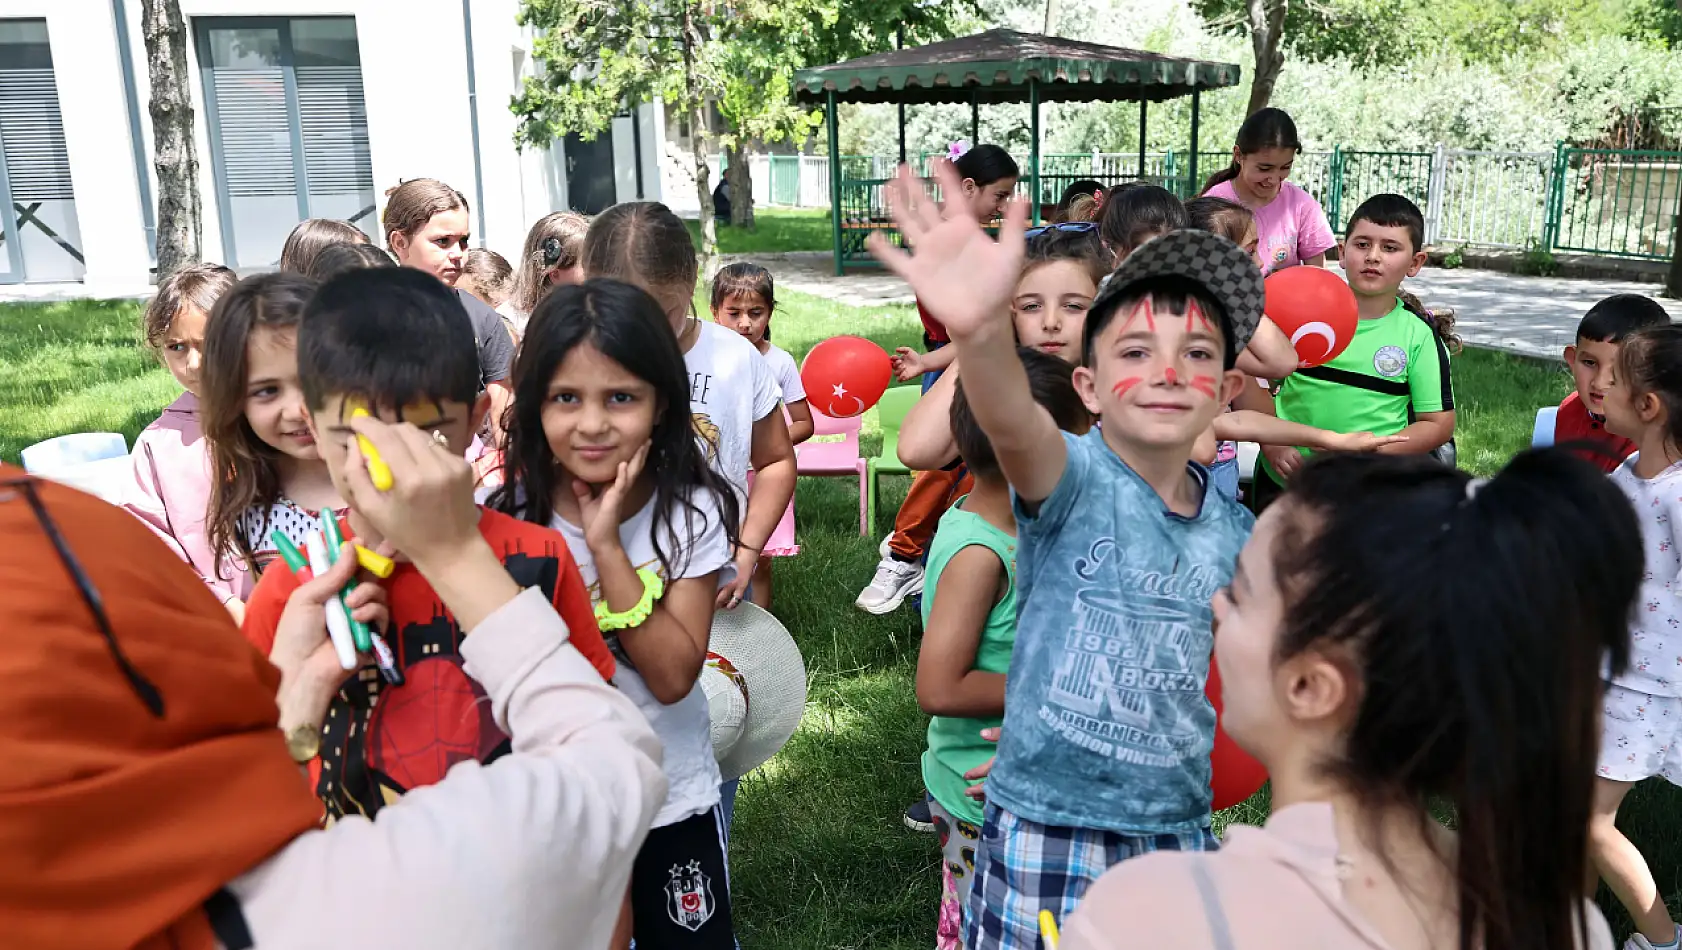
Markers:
point(1612, 202)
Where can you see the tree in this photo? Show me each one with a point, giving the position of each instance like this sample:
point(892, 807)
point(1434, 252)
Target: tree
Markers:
point(173, 154)
point(767, 40)
point(594, 58)
point(1267, 28)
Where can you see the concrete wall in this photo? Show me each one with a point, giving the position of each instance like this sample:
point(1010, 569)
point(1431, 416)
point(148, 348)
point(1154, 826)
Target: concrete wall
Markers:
point(415, 87)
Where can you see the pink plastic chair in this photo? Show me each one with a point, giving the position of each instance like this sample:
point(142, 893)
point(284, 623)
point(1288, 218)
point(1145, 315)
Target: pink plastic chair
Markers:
point(832, 457)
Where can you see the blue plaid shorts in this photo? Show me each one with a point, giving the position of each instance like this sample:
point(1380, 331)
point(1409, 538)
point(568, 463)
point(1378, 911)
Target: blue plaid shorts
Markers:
point(1023, 867)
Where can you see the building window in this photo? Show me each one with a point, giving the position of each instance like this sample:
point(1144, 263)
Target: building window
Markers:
point(38, 226)
point(288, 129)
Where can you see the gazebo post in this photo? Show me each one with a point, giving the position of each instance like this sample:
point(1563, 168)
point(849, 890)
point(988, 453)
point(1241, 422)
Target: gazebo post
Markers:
point(1143, 103)
point(1196, 108)
point(1034, 155)
point(830, 110)
point(901, 38)
point(975, 117)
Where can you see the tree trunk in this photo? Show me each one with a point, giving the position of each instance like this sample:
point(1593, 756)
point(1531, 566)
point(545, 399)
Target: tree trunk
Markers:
point(1051, 18)
point(1267, 28)
point(739, 173)
point(696, 103)
point(173, 153)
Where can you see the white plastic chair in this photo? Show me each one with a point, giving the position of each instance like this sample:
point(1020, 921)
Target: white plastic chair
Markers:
point(1542, 436)
point(66, 451)
point(94, 462)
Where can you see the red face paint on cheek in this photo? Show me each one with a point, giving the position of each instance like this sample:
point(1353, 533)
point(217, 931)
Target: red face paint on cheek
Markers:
point(1121, 388)
point(1204, 385)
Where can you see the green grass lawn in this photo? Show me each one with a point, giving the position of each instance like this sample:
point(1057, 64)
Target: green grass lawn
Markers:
point(820, 860)
point(775, 230)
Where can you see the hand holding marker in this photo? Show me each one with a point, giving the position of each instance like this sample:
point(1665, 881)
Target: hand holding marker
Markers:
point(335, 547)
point(338, 619)
point(366, 640)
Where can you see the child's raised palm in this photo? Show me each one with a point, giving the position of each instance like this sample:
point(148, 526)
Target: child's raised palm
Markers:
point(962, 277)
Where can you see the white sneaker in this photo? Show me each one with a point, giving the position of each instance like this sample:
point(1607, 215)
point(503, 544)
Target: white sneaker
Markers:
point(894, 581)
point(1639, 941)
point(886, 545)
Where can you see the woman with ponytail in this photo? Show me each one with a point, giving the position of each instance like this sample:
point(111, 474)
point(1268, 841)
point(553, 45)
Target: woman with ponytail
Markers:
point(1292, 226)
point(1372, 702)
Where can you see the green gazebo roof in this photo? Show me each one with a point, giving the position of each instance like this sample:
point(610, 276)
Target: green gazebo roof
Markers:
point(996, 66)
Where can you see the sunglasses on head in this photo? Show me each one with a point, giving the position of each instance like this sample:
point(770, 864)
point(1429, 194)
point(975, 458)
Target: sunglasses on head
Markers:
point(13, 488)
point(1069, 227)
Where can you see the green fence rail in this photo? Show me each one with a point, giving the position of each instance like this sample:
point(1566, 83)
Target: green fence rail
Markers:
point(1606, 202)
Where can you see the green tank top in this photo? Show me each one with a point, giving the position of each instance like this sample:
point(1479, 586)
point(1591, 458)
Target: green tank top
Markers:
point(955, 745)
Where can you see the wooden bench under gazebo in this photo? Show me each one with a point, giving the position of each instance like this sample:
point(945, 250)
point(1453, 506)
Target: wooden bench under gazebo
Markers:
point(997, 66)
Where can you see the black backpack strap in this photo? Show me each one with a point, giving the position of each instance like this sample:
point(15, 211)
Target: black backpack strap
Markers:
point(227, 920)
point(1343, 377)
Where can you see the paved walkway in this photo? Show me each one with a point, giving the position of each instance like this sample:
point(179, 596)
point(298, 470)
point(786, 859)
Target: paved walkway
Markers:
point(1536, 316)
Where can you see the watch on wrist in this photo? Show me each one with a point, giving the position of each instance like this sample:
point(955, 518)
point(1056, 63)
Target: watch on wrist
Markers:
point(303, 742)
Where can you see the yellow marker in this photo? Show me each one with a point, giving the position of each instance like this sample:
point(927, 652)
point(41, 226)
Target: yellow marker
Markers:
point(376, 564)
point(378, 471)
point(1048, 930)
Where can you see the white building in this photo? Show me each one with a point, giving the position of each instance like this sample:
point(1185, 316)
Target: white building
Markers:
point(303, 108)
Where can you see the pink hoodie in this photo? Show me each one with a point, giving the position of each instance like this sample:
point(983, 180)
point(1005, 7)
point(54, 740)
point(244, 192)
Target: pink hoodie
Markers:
point(1270, 888)
point(171, 493)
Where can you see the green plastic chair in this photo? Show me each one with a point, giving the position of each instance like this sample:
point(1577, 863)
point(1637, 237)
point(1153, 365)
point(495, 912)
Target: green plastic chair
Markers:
point(891, 411)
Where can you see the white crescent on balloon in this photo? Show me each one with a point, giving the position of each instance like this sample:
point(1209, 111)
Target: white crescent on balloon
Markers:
point(1316, 328)
point(835, 404)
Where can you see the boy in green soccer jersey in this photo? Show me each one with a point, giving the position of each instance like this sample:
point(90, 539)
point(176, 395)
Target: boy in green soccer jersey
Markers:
point(1394, 376)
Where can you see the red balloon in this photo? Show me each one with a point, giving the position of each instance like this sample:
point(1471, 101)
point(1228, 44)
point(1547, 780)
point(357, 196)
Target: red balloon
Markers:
point(1236, 775)
point(845, 375)
point(1315, 308)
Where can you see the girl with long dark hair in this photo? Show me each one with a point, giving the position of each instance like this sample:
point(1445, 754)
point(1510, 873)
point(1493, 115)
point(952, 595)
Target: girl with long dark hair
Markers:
point(602, 447)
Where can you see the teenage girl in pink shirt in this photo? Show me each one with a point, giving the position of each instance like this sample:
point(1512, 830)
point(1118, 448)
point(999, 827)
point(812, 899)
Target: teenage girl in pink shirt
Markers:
point(1291, 227)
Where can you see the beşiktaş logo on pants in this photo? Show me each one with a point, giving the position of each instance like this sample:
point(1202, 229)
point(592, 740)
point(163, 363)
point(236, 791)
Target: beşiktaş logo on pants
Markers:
point(689, 896)
point(1390, 361)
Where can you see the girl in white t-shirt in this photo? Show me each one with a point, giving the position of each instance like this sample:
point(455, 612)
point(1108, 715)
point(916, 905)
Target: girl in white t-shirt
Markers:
point(601, 447)
point(743, 299)
point(732, 393)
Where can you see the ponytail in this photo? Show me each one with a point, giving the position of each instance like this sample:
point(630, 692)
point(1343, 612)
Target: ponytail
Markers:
point(1441, 322)
point(1219, 178)
point(1473, 616)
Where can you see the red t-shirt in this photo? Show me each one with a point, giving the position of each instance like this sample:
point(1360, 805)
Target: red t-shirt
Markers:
point(1575, 423)
point(379, 740)
point(932, 328)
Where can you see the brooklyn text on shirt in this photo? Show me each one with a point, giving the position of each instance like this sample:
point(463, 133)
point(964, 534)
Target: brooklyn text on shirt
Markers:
point(1139, 635)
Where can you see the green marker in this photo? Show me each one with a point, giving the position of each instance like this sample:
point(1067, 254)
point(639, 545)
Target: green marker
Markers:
point(359, 631)
point(289, 552)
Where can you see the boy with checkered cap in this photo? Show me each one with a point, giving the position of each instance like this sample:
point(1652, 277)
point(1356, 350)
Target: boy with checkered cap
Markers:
point(1107, 734)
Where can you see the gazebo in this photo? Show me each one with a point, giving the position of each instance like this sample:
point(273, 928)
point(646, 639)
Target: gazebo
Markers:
point(997, 66)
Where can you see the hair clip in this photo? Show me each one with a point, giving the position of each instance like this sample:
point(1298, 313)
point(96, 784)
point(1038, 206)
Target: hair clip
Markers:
point(551, 251)
point(956, 150)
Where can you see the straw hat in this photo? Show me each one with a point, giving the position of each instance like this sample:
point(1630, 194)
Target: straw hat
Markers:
point(755, 683)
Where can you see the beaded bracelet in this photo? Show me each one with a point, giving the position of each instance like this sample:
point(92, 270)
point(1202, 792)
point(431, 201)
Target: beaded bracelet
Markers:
point(653, 587)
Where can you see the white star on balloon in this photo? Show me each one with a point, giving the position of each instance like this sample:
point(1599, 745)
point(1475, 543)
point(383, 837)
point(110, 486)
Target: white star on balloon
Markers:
point(840, 390)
